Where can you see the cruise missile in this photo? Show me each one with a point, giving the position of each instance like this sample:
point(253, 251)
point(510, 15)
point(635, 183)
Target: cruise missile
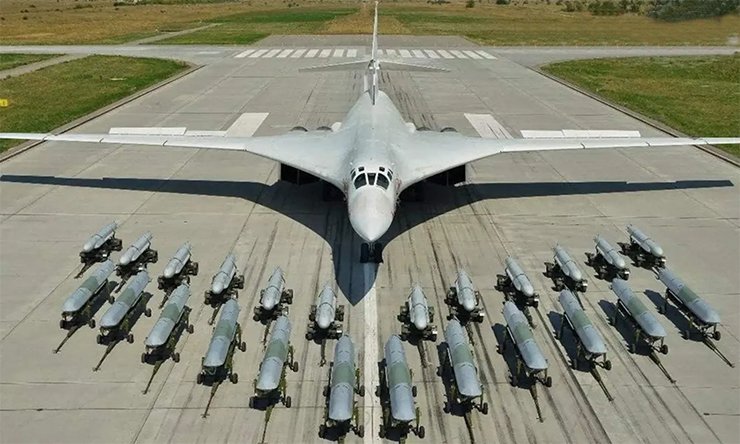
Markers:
point(417, 316)
point(590, 343)
point(99, 246)
point(632, 306)
point(273, 298)
point(116, 321)
point(465, 381)
point(516, 282)
point(607, 261)
point(135, 258)
point(136, 249)
point(643, 249)
point(527, 350)
point(344, 383)
point(178, 270)
point(218, 363)
point(565, 272)
point(270, 383)
point(397, 393)
point(80, 307)
point(699, 313)
point(224, 285)
point(463, 299)
point(325, 316)
point(160, 343)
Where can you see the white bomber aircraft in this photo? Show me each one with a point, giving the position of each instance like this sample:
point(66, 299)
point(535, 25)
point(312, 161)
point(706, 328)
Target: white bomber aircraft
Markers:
point(374, 155)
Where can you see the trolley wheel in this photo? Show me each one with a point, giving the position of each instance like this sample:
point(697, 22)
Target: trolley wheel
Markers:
point(288, 402)
point(361, 431)
point(294, 366)
point(664, 349)
point(251, 402)
point(381, 432)
point(243, 346)
point(420, 432)
point(631, 348)
point(484, 408)
point(199, 379)
point(362, 390)
point(548, 381)
point(62, 324)
point(608, 365)
point(99, 339)
point(91, 323)
point(326, 391)
point(446, 408)
point(716, 335)
point(322, 431)
point(191, 328)
point(176, 357)
point(234, 378)
point(414, 391)
point(111, 299)
point(143, 358)
point(148, 312)
point(130, 338)
point(514, 380)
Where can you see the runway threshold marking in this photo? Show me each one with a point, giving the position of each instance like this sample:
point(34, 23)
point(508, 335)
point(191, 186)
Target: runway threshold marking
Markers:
point(371, 405)
point(445, 54)
point(246, 124)
point(391, 53)
point(418, 54)
point(351, 53)
point(257, 53)
point(472, 55)
point(487, 126)
point(311, 53)
point(243, 54)
point(284, 53)
point(338, 53)
point(404, 53)
point(431, 54)
point(297, 53)
point(325, 53)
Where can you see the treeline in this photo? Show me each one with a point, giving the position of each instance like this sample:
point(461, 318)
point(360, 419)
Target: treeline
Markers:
point(668, 10)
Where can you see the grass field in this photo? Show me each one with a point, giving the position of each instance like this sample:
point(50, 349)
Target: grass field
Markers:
point(243, 22)
point(698, 96)
point(9, 61)
point(57, 87)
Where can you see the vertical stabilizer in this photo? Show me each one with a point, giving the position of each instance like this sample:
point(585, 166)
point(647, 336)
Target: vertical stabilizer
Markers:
point(374, 67)
point(374, 51)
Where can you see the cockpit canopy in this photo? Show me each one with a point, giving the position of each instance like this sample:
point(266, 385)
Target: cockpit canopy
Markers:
point(381, 178)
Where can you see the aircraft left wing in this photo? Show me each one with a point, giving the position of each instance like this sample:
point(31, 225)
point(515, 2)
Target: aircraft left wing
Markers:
point(318, 153)
point(428, 153)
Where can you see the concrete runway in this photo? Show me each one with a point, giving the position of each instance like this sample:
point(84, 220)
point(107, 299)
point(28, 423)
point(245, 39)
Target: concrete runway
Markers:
point(55, 195)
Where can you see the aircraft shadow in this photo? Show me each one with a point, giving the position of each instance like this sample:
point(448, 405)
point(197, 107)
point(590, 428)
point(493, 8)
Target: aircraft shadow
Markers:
point(304, 205)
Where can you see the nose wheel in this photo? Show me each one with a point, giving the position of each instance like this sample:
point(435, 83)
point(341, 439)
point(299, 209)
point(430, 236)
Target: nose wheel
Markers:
point(372, 253)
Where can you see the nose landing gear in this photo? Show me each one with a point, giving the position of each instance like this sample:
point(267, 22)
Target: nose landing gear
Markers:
point(371, 253)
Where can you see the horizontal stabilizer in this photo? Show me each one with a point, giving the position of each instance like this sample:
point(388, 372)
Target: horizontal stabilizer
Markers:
point(546, 134)
point(344, 66)
point(400, 66)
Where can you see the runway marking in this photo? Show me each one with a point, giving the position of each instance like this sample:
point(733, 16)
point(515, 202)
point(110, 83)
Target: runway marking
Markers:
point(488, 127)
point(417, 53)
point(458, 54)
point(445, 54)
point(486, 55)
point(472, 55)
point(431, 54)
point(149, 130)
point(404, 53)
point(257, 53)
point(391, 53)
point(283, 54)
point(243, 54)
point(246, 125)
point(325, 53)
point(311, 53)
point(351, 53)
point(297, 53)
point(338, 53)
point(371, 405)
point(272, 53)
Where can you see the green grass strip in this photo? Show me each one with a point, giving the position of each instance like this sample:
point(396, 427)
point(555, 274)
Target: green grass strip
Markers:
point(10, 61)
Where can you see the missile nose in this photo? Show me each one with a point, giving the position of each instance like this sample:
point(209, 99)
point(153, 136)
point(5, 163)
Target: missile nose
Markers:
point(468, 304)
point(88, 247)
point(527, 290)
point(420, 323)
point(576, 274)
point(619, 262)
point(125, 259)
point(324, 322)
point(169, 272)
point(656, 250)
point(217, 287)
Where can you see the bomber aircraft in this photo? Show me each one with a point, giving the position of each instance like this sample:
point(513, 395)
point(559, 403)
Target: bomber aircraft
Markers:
point(374, 155)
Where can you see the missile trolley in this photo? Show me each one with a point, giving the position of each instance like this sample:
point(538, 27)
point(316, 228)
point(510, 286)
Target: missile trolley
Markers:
point(463, 300)
point(178, 271)
point(99, 247)
point(80, 307)
point(218, 363)
point(341, 413)
point(396, 393)
point(564, 271)
point(590, 344)
point(417, 316)
point(136, 257)
point(325, 319)
point(162, 339)
point(465, 383)
point(117, 322)
point(270, 385)
point(273, 299)
point(224, 286)
point(643, 249)
point(607, 261)
point(517, 288)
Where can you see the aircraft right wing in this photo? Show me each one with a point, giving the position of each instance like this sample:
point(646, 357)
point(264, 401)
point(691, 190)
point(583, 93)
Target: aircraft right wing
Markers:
point(426, 153)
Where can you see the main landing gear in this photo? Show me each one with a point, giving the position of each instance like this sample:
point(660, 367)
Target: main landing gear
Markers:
point(371, 253)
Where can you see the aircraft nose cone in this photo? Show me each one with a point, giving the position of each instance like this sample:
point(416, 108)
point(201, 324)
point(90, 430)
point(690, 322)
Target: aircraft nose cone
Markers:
point(371, 213)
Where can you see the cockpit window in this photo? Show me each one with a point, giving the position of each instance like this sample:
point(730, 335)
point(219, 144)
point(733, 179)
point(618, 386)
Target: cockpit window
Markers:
point(361, 180)
point(371, 178)
point(360, 169)
point(382, 169)
point(390, 174)
point(382, 181)
point(354, 173)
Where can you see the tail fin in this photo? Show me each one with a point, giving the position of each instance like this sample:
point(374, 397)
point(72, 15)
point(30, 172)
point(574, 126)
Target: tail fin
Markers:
point(374, 50)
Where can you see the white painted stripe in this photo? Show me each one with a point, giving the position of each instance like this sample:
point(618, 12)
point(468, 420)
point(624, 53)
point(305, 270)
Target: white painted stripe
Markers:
point(445, 54)
point(272, 53)
point(257, 53)
point(391, 53)
point(486, 55)
point(379, 52)
point(297, 53)
point(431, 54)
point(246, 125)
point(559, 134)
point(338, 53)
point(243, 54)
point(404, 53)
point(458, 54)
point(418, 54)
point(472, 55)
point(201, 133)
point(311, 53)
point(351, 53)
point(487, 126)
point(371, 404)
point(284, 53)
point(325, 53)
point(149, 130)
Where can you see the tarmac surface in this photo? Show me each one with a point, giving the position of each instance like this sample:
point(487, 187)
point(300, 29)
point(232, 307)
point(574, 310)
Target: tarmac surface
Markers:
point(53, 196)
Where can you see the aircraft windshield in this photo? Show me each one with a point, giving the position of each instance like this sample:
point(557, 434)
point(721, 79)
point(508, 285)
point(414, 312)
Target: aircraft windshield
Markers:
point(360, 181)
point(371, 178)
point(382, 181)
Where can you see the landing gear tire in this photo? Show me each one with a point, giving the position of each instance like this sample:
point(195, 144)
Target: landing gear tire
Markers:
point(484, 408)
point(716, 335)
point(548, 381)
point(420, 432)
point(361, 431)
point(176, 357)
point(191, 329)
point(199, 379)
point(234, 378)
point(130, 338)
point(608, 365)
point(91, 323)
point(664, 349)
point(288, 402)
point(294, 366)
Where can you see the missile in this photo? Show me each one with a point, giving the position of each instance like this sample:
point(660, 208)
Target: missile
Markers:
point(170, 317)
point(607, 261)
point(125, 302)
point(700, 313)
point(609, 253)
point(588, 336)
point(465, 291)
point(178, 261)
point(398, 378)
point(102, 236)
point(89, 288)
point(133, 252)
point(520, 333)
point(518, 278)
point(463, 365)
point(226, 273)
point(463, 299)
point(645, 320)
point(343, 381)
point(418, 309)
point(224, 335)
point(645, 242)
point(567, 264)
point(326, 307)
point(273, 293)
point(271, 368)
